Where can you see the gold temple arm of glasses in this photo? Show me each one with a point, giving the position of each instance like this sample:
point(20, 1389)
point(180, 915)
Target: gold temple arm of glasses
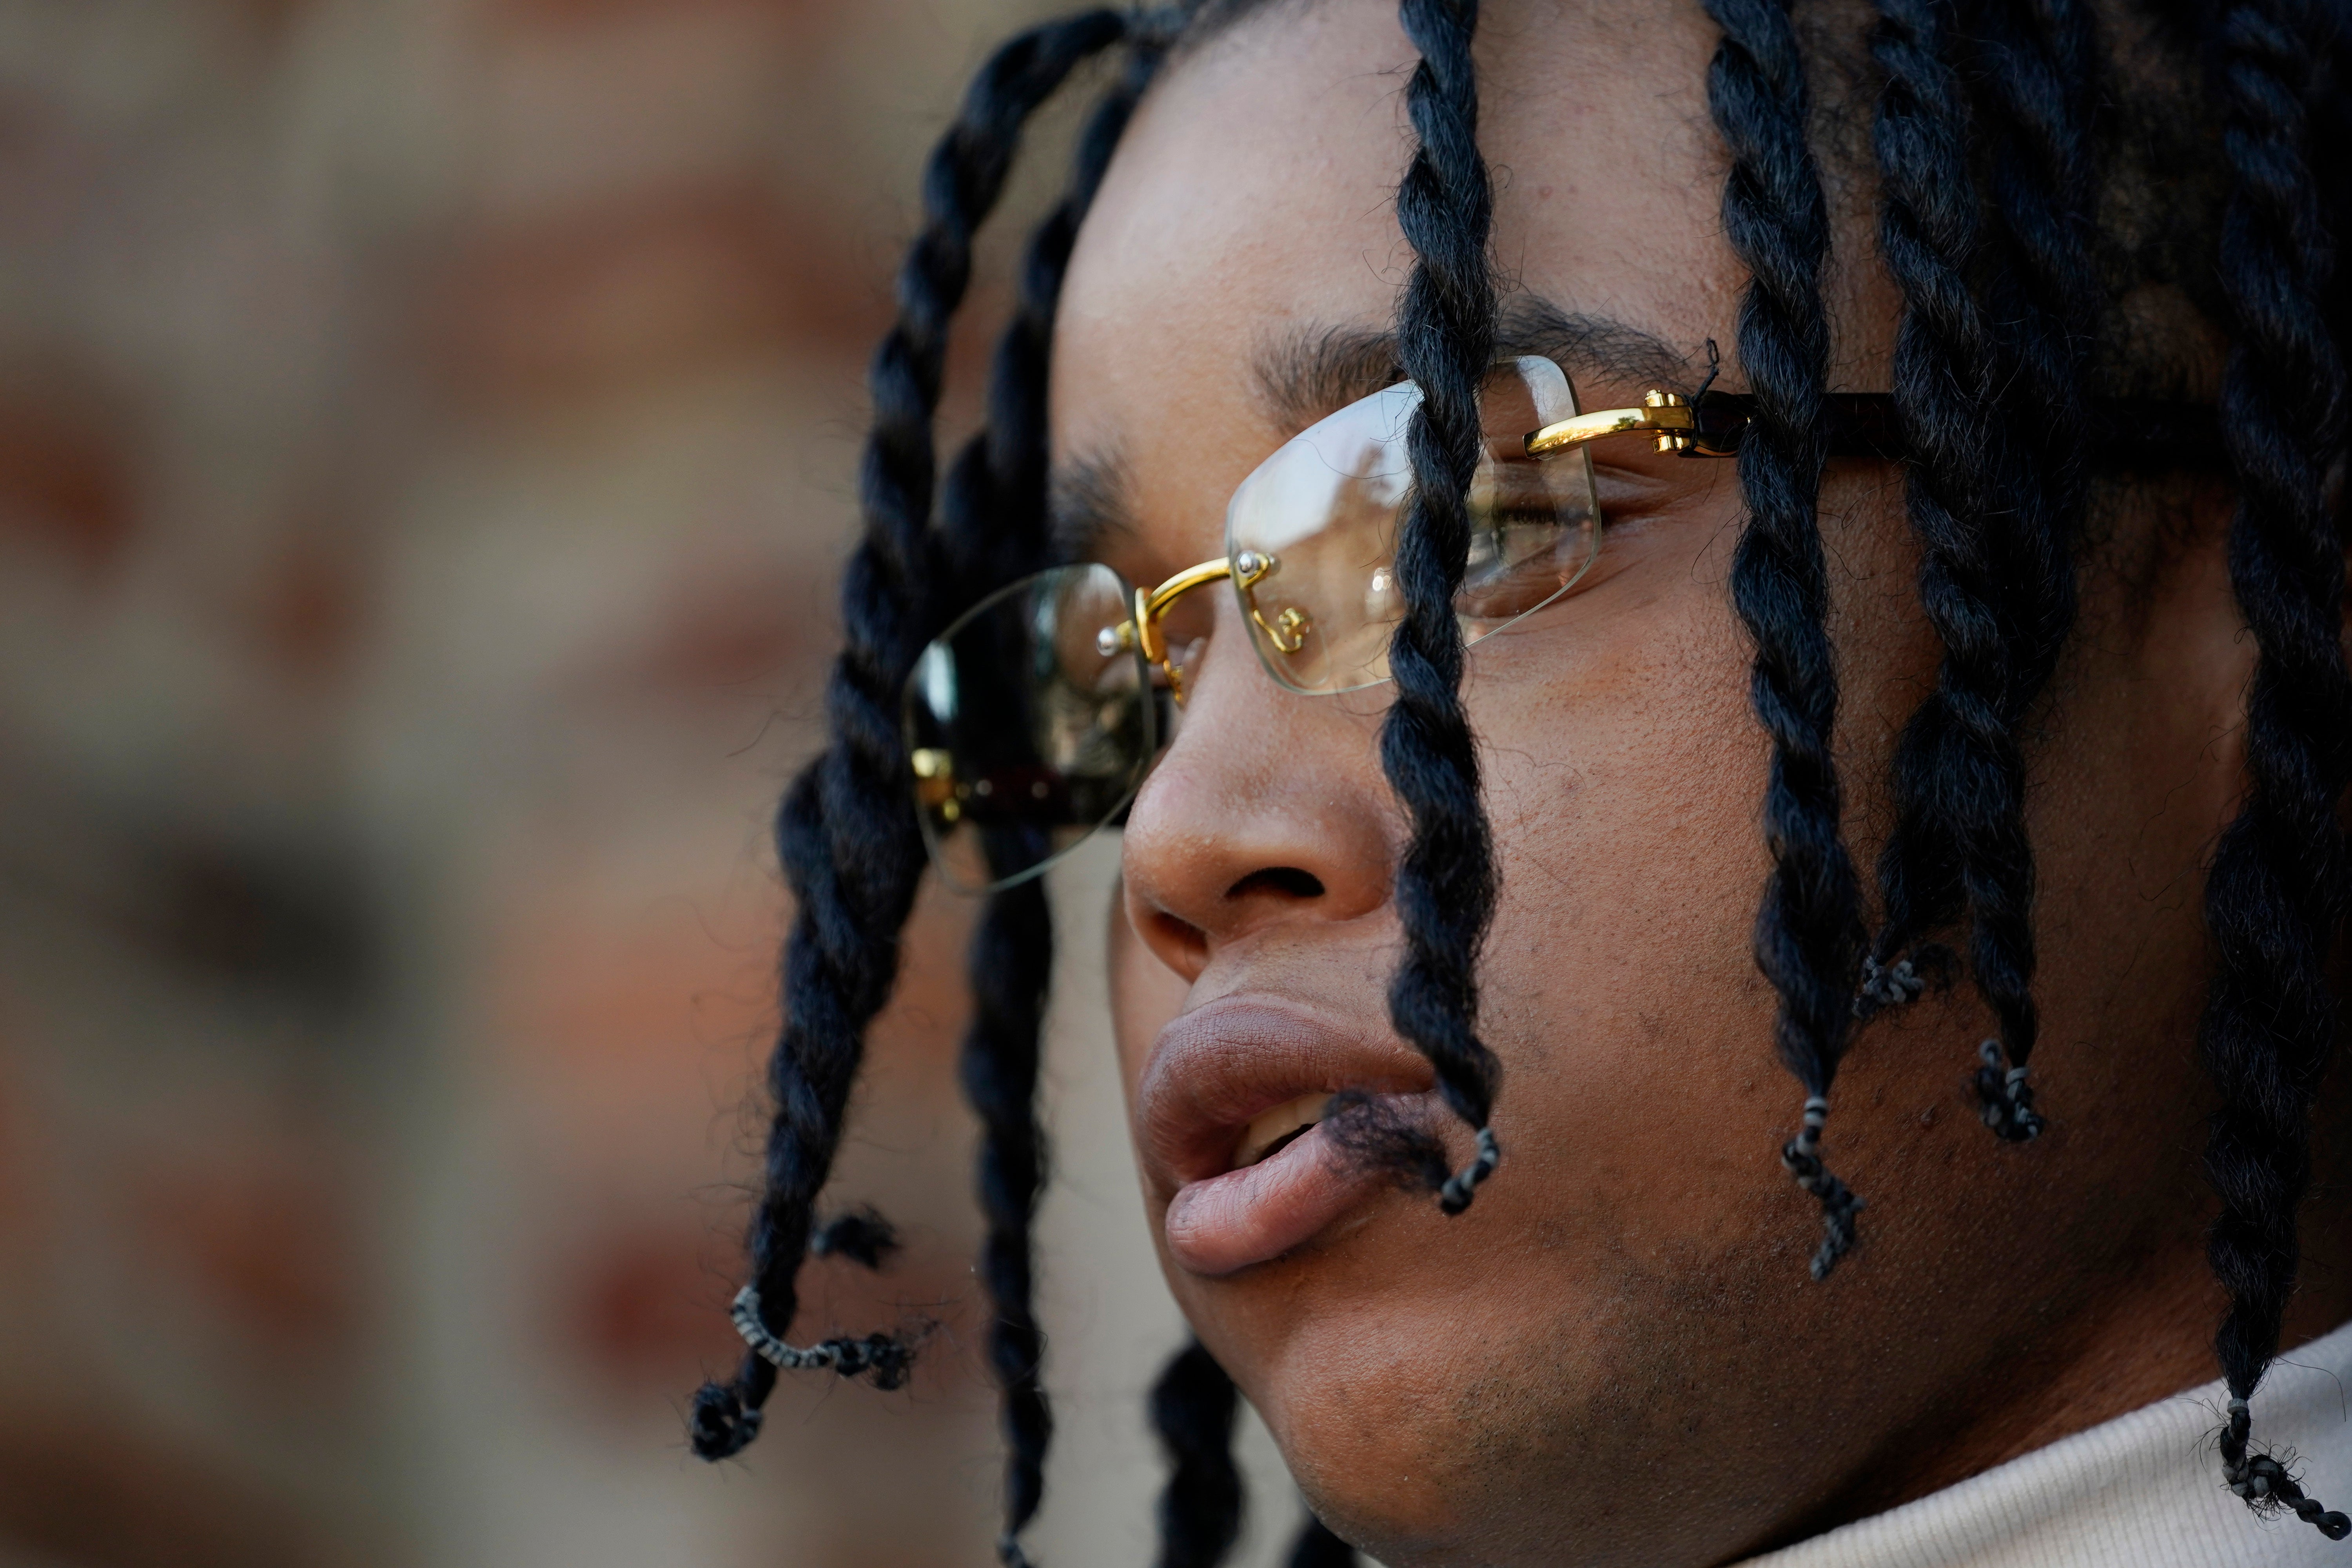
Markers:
point(1664, 414)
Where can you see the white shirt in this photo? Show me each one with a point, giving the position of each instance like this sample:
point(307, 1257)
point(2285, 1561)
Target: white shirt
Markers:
point(2142, 1491)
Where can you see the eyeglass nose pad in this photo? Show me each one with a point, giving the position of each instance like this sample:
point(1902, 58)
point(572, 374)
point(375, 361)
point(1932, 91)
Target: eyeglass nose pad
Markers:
point(1288, 631)
point(1177, 664)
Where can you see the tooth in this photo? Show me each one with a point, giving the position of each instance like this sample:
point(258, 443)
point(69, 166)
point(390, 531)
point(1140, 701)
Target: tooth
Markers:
point(1272, 1127)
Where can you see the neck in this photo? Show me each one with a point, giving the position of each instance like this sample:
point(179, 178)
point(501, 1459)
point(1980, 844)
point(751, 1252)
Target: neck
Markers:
point(2146, 1341)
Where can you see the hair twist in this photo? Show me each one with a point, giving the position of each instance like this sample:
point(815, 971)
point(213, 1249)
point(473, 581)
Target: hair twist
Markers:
point(1960, 769)
point(2035, 75)
point(1928, 235)
point(2035, 63)
point(1193, 1407)
point(992, 530)
point(1011, 969)
point(847, 837)
point(993, 509)
point(1445, 337)
point(2277, 897)
point(1808, 929)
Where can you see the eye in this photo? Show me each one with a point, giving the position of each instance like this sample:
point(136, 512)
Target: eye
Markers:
point(1525, 547)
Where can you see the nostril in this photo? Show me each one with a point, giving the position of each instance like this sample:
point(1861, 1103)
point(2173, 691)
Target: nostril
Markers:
point(1174, 936)
point(1287, 880)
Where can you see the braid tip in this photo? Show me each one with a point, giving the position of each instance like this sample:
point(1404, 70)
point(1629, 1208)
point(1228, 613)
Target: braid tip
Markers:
point(1887, 985)
point(720, 1426)
point(1463, 1185)
point(1802, 1157)
point(2265, 1483)
point(2007, 1097)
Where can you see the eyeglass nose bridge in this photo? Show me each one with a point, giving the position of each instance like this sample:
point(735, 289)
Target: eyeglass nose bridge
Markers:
point(1152, 605)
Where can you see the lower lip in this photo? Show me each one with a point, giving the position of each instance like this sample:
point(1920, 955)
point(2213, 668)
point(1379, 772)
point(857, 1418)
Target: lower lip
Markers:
point(1260, 1211)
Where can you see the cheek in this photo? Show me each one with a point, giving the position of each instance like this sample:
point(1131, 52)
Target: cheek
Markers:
point(1627, 780)
point(1618, 983)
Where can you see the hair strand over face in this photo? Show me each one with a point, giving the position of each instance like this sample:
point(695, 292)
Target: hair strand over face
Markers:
point(1444, 888)
point(1808, 931)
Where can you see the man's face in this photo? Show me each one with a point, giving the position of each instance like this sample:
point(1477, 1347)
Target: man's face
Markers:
point(1616, 1355)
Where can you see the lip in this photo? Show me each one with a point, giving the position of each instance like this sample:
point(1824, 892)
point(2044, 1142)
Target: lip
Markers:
point(1214, 1071)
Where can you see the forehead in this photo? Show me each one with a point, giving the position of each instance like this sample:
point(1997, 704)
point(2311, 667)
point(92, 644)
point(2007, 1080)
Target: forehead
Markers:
point(1252, 201)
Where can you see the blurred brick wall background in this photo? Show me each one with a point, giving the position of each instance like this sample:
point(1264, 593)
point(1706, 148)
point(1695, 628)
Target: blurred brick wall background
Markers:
point(426, 430)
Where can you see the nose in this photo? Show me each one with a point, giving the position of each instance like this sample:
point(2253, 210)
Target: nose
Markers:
point(1268, 812)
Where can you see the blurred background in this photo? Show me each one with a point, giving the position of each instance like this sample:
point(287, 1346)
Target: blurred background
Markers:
point(426, 431)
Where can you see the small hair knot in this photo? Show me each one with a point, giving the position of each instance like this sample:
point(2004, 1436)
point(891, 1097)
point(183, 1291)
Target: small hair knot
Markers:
point(1900, 981)
point(1887, 985)
point(719, 1426)
point(1802, 1156)
point(2007, 1097)
point(1463, 1185)
point(2268, 1483)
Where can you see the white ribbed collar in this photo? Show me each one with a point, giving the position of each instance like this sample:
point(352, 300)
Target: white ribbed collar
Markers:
point(2142, 1491)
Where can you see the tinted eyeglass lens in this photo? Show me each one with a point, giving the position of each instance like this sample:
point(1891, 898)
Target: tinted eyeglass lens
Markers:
point(1029, 723)
point(1313, 531)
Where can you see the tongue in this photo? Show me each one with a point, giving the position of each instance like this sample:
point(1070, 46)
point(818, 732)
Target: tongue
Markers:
point(1262, 1211)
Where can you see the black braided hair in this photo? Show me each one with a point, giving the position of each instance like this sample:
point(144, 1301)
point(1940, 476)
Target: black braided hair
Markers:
point(992, 509)
point(2035, 72)
point(1193, 1407)
point(848, 836)
point(2330, 103)
point(1808, 929)
point(1993, 410)
point(1995, 415)
point(994, 530)
point(2277, 898)
point(1445, 339)
point(1011, 968)
point(1943, 372)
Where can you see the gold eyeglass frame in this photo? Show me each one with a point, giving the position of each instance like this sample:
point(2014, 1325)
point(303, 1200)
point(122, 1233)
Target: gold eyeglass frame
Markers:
point(1667, 416)
point(2135, 435)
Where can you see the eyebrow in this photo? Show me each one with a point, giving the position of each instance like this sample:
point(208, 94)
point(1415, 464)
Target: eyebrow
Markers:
point(1087, 504)
point(1311, 371)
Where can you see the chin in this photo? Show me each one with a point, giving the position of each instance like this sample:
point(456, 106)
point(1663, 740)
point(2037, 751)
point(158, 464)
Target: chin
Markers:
point(1374, 1402)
